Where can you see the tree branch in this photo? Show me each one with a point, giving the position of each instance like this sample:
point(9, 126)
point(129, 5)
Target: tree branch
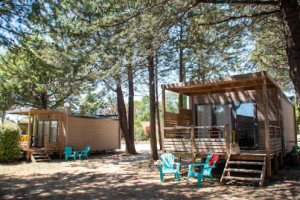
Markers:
point(260, 2)
point(239, 17)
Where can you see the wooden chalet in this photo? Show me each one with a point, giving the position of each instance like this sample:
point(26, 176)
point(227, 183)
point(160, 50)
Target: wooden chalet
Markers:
point(247, 112)
point(49, 131)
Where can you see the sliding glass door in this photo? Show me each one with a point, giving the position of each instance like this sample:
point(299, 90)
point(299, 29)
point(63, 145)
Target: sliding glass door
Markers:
point(241, 118)
point(46, 128)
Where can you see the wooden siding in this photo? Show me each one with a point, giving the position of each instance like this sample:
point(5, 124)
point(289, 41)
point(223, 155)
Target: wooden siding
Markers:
point(288, 125)
point(100, 134)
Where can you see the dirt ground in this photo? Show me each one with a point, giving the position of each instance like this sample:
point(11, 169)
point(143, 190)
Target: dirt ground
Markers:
point(118, 176)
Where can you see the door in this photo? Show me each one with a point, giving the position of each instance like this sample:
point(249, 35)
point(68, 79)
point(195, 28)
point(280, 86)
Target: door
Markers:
point(46, 128)
point(246, 125)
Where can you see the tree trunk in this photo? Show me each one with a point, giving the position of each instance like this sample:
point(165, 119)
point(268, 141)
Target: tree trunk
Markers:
point(290, 14)
point(3, 117)
point(130, 148)
point(157, 103)
point(130, 104)
point(181, 67)
point(154, 155)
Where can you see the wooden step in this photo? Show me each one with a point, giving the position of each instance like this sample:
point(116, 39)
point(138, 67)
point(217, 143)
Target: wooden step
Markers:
point(245, 163)
point(40, 156)
point(42, 160)
point(241, 178)
point(238, 166)
point(243, 170)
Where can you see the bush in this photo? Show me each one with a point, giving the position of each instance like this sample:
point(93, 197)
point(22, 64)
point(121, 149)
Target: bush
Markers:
point(139, 134)
point(9, 143)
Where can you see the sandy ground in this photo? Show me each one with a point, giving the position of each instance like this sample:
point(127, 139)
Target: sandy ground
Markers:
point(118, 176)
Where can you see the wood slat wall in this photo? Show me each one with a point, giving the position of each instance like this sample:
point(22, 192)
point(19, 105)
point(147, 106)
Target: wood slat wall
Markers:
point(289, 125)
point(171, 119)
point(100, 134)
point(178, 145)
point(275, 144)
point(210, 145)
point(52, 146)
point(185, 117)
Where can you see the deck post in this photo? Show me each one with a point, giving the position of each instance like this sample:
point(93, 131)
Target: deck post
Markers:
point(28, 135)
point(193, 144)
point(163, 117)
point(60, 134)
point(227, 139)
point(45, 142)
point(279, 93)
point(266, 117)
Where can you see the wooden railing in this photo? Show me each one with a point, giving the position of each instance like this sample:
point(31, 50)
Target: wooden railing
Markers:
point(197, 139)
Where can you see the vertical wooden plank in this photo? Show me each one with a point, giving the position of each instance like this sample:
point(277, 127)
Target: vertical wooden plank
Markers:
point(280, 122)
point(67, 132)
point(60, 133)
point(295, 124)
point(193, 144)
point(227, 138)
point(276, 162)
point(28, 134)
point(193, 112)
point(266, 119)
point(45, 142)
point(163, 117)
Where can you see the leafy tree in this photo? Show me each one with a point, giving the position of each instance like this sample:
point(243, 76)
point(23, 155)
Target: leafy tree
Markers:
point(39, 77)
point(92, 104)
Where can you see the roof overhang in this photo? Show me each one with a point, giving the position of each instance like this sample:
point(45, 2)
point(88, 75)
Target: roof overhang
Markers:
point(253, 81)
point(33, 112)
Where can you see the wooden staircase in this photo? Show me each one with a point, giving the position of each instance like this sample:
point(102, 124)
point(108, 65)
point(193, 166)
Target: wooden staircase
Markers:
point(245, 168)
point(39, 155)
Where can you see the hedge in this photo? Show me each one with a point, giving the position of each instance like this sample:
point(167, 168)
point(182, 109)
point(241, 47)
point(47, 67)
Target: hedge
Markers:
point(9, 143)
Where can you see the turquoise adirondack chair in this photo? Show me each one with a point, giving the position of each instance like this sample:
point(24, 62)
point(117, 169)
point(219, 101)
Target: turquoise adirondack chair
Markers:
point(84, 153)
point(206, 170)
point(167, 166)
point(69, 153)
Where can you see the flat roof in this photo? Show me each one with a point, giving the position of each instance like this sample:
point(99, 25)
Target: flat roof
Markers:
point(252, 81)
point(33, 111)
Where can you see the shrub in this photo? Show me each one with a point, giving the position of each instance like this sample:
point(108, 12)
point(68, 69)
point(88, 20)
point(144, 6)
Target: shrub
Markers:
point(9, 143)
point(139, 134)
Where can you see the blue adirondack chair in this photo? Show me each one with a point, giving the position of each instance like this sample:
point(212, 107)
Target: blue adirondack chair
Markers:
point(206, 170)
point(167, 166)
point(84, 153)
point(69, 153)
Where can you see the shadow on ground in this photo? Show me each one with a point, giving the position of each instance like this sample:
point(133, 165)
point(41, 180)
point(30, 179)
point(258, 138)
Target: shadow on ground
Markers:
point(116, 176)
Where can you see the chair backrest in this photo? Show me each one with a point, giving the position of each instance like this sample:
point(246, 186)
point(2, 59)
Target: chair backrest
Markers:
point(87, 149)
point(68, 150)
point(212, 159)
point(168, 160)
